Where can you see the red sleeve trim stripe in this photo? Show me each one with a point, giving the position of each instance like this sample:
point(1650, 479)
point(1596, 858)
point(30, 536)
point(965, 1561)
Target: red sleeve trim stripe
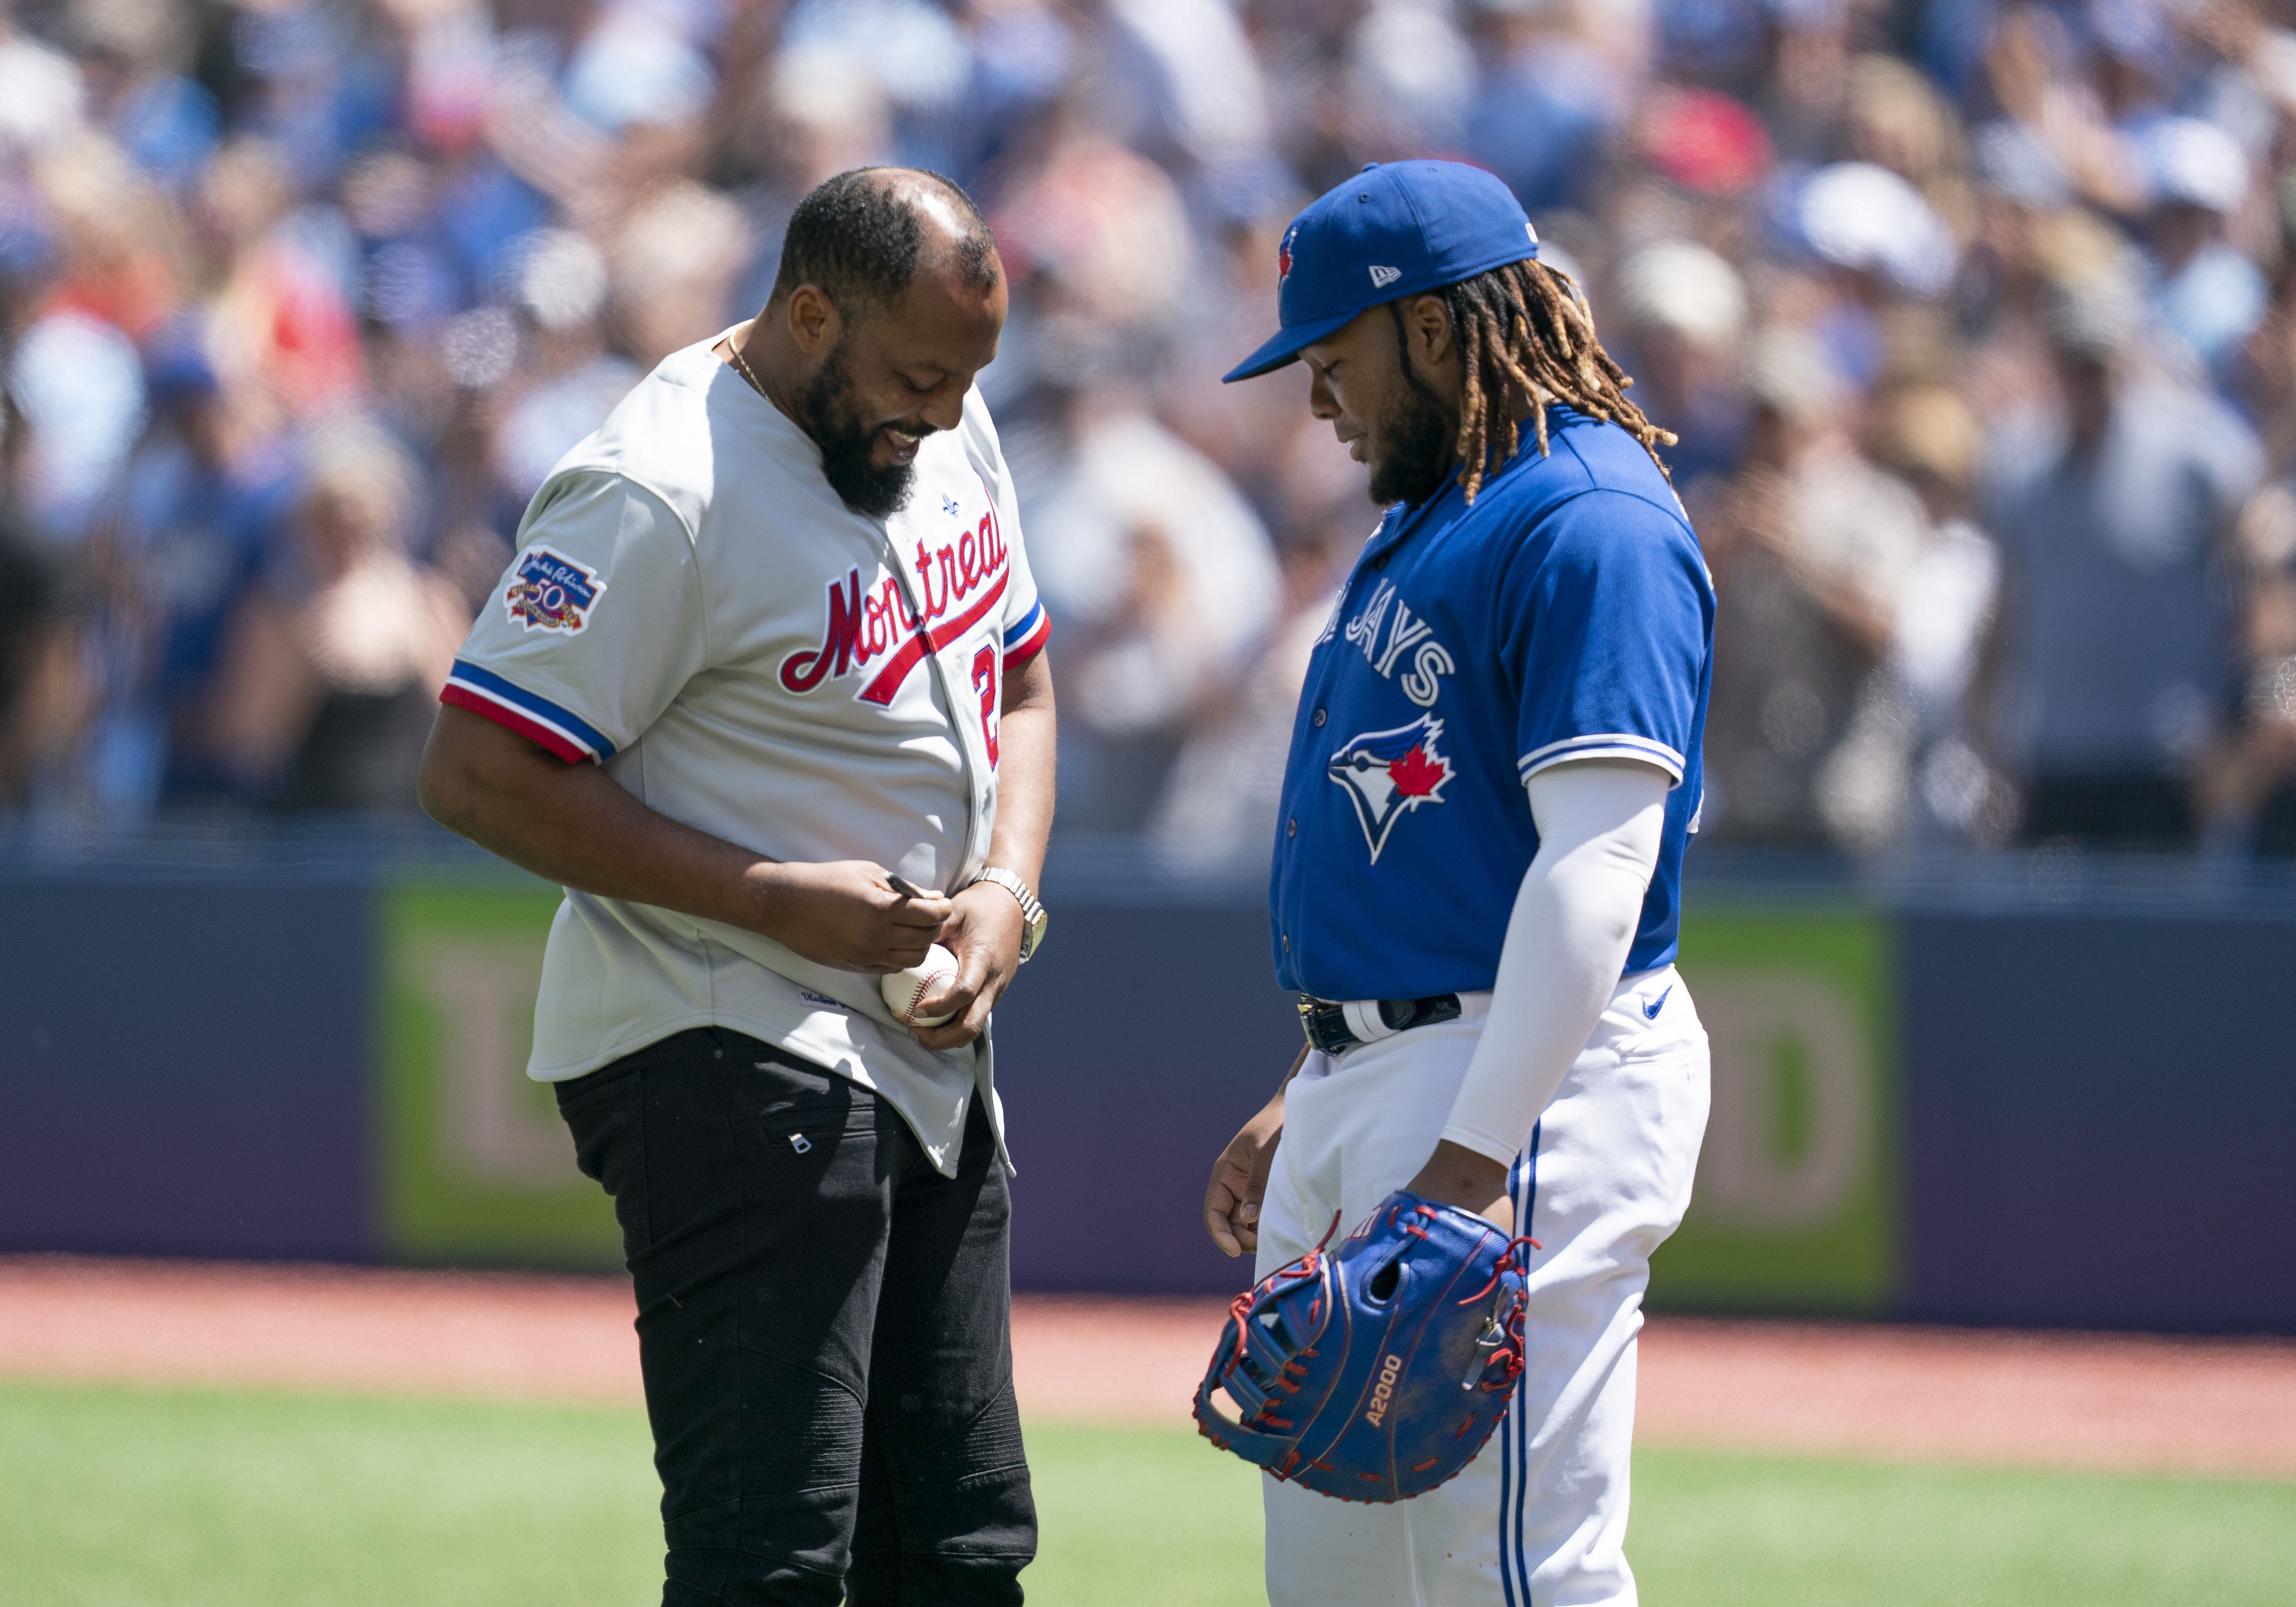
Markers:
point(1034, 636)
point(511, 720)
point(515, 708)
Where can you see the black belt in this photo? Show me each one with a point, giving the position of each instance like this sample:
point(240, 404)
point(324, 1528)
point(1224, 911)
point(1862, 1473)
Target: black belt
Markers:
point(1326, 1021)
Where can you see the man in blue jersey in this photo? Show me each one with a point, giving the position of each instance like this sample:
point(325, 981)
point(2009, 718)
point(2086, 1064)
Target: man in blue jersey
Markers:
point(1493, 774)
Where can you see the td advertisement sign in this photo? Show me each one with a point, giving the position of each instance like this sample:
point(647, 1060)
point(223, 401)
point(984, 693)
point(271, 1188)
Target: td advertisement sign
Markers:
point(1795, 1207)
point(477, 1168)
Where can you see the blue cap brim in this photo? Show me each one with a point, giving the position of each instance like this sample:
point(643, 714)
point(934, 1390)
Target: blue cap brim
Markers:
point(1286, 347)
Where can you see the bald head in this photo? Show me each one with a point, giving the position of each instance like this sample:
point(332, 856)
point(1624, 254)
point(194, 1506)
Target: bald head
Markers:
point(863, 237)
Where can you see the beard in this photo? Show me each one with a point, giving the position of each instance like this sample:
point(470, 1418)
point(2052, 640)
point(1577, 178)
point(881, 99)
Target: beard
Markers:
point(830, 412)
point(1415, 445)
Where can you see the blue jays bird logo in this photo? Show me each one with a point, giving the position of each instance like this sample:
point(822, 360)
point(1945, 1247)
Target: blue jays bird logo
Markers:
point(1388, 774)
point(1284, 254)
point(551, 593)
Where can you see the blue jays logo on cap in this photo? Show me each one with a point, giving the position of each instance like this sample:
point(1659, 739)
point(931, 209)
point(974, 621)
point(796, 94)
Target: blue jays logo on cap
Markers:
point(1393, 230)
point(1388, 774)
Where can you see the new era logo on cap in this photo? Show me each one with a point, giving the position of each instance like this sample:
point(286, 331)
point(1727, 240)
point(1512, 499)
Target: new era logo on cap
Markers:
point(1393, 230)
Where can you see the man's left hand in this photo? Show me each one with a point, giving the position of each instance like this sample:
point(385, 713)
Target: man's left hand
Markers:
point(984, 932)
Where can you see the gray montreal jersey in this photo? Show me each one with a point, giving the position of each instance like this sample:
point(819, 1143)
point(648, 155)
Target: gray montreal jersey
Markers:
point(692, 607)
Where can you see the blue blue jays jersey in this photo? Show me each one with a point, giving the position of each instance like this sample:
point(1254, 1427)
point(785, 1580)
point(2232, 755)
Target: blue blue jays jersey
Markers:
point(1567, 614)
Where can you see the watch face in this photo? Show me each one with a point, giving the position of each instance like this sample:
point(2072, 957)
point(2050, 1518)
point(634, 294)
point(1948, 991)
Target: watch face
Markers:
point(1035, 933)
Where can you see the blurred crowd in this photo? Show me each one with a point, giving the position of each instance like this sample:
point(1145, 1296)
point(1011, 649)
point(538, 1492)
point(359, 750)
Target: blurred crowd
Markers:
point(1976, 320)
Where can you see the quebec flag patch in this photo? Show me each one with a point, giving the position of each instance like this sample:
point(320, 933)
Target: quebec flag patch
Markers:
point(551, 592)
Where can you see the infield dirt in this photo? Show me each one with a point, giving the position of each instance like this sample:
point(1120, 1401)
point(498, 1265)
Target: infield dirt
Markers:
point(2085, 1401)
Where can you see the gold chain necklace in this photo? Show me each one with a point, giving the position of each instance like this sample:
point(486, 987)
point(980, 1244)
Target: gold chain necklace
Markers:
point(742, 363)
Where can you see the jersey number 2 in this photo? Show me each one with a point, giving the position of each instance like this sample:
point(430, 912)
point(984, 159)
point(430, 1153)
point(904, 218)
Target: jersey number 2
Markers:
point(984, 682)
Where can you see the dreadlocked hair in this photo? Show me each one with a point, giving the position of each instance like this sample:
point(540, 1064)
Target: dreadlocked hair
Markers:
point(1523, 328)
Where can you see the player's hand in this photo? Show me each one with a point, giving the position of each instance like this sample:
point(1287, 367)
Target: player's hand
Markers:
point(846, 915)
point(1456, 1175)
point(1239, 1181)
point(984, 931)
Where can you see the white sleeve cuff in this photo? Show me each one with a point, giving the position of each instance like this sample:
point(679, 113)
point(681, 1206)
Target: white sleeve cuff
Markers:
point(1610, 745)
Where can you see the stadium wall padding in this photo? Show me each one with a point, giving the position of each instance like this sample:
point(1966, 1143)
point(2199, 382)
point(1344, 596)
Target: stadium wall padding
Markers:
point(2101, 1129)
point(2066, 1115)
point(184, 1068)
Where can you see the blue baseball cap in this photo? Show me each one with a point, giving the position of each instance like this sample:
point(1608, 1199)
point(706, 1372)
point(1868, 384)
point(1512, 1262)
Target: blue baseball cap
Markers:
point(1395, 229)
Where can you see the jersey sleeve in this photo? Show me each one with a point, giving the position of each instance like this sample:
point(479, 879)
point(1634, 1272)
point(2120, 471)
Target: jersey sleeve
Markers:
point(1027, 628)
point(1605, 633)
point(596, 626)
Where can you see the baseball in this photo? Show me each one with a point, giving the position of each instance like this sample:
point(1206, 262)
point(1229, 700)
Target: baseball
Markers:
point(904, 989)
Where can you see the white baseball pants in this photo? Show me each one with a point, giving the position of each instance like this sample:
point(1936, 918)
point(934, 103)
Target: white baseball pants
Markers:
point(1539, 1518)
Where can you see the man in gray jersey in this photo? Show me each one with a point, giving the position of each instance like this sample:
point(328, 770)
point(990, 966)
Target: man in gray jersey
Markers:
point(764, 688)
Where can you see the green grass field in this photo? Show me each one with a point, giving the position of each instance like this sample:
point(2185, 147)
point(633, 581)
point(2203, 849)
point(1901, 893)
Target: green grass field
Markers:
point(115, 1497)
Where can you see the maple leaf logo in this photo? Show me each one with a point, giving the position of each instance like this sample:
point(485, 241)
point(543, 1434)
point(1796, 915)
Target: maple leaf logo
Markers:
point(1416, 776)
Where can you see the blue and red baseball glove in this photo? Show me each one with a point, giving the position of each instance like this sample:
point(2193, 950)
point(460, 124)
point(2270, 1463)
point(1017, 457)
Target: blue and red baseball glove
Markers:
point(1374, 1371)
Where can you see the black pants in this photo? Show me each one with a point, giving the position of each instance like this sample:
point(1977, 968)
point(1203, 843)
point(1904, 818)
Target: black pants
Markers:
point(824, 1327)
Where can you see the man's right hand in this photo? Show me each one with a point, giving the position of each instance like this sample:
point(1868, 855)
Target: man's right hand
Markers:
point(1239, 1181)
point(574, 824)
point(845, 914)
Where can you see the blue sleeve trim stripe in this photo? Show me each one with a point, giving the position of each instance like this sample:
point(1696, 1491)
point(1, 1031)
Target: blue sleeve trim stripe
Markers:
point(1016, 635)
point(492, 686)
point(1611, 744)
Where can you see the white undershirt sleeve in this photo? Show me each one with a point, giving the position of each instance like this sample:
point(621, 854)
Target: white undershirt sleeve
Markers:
point(1600, 823)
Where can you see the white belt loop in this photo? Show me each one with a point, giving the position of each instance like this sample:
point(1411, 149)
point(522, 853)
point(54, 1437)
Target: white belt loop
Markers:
point(1365, 1020)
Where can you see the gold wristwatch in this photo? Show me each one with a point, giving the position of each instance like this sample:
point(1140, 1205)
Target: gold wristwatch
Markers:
point(1032, 911)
